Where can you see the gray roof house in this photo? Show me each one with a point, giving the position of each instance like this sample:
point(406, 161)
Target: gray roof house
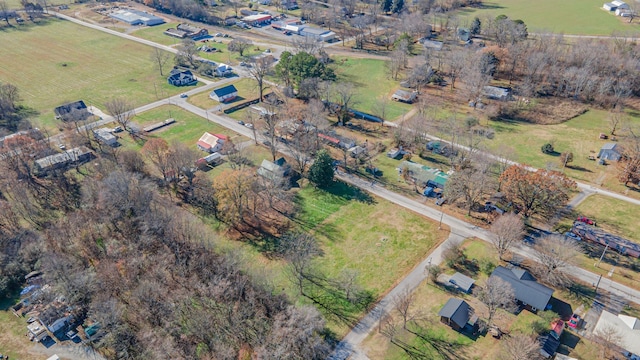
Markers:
point(179, 77)
point(609, 151)
point(404, 96)
point(77, 155)
point(273, 170)
point(457, 314)
point(496, 93)
point(73, 111)
point(527, 290)
point(462, 282)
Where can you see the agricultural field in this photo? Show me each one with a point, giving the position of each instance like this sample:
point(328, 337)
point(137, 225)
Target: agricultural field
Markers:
point(372, 83)
point(68, 62)
point(583, 17)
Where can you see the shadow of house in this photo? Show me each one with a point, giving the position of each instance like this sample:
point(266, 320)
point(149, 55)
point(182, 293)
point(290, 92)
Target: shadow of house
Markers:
point(528, 292)
point(458, 315)
point(73, 111)
point(179, 77)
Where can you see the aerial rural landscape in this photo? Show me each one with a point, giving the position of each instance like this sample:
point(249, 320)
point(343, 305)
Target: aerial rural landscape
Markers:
point(320, 179)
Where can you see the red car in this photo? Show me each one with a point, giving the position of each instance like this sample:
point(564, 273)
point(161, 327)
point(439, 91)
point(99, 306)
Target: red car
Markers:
point(574, 322)
point(586, 220)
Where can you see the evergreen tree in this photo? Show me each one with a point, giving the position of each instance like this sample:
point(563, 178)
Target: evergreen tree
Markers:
point(321, 171)
point(397, 6)
point(476, 26)
point(386, 5)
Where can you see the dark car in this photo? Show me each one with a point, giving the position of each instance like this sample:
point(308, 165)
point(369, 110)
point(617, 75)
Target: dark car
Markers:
point(573, 236)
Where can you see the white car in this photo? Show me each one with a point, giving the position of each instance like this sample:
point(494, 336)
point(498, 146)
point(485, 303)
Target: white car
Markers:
point(249, 125)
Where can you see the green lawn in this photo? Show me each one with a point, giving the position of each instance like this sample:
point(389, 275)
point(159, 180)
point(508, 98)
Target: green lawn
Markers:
point(372, 82)
point(187, 129)
point(578, 135)
point(616, 216)
point(62, 62)
point(569, 16)
point(156, 34)
point(247, 90)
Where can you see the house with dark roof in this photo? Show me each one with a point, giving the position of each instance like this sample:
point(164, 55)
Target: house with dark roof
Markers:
point(224, 94)
point(528, 291)
point(609, 152)
point(187, 31)
point(179, 77)
point(457, 314)
point(497, 93)
point(73, 111)
point(462, 282)
point(66, 158)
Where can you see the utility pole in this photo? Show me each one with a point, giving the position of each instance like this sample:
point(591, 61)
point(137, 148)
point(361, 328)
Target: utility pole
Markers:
point(598, 284)
point(602, 256)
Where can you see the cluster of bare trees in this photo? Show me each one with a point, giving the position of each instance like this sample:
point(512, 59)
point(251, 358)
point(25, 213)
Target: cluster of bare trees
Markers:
point(127, 257)
point(13, 115)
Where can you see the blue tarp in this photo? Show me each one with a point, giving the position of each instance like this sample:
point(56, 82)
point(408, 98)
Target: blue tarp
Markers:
point(28, 289)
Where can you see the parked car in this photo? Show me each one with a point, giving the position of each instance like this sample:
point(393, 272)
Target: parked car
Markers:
point(249, 125)
point(240, 122)
point(586, 220)
point(183, 95)
point(440, 201)
point(117, 129)
point(575, 321)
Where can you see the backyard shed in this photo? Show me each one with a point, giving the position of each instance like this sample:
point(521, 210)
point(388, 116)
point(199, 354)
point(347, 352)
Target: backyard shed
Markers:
point(462, 282)
point(457, 314)
point(404, 96)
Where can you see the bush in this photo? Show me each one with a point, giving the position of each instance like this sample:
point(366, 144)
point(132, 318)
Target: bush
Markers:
point(487, 266)
point(434, 272)
point(547, 148)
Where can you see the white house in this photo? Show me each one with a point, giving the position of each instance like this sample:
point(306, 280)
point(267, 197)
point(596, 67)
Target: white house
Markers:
point(212, 142)
point(223, 70)
point(224, 94)
point(620, 4)
point(626, 326)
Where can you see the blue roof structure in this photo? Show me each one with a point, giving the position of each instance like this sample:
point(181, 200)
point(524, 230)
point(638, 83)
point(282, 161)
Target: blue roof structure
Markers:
point(230, 89)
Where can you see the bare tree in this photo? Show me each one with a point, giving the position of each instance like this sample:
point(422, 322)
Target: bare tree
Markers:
point(160, 58)
point(239, 45)
point(4, 10)
point(470, 183)
point(520, 347)
point(554, 255)
point(157, 151)
point(346, 97)
point(270, 123)
point(259, 69)
point(456, 62)
point(506, 231)
point(403, 304)
point(121, 110)
point(307, 44)
point(187, 52)
point(496, 293)
point(610, 340)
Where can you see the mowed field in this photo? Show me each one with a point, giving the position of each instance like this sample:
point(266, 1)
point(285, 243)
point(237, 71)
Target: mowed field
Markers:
point(57, 61)
point(584, 17)
point(372, 82)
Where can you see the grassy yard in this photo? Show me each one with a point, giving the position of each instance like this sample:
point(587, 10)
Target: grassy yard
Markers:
point(247, 90)
point(578, 135)
point(13, 343)
point(429, 299)
point(187, 129)
point(569, 17)
point(370, 78)
point(156, 34)
point(616, 216)
point(90, 65)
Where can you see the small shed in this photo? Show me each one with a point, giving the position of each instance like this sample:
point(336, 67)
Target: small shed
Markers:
point(394, 153)
point(610, 152)
point(497, 93)
point(224, 94)
point(432, 44)
point(457, 314)
point(462, 282)
point(211, 159)
point(404, 96)
point(609, 7)
point(356, 150)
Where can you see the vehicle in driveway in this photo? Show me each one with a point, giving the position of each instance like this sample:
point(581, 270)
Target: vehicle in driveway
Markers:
point(586, 220)
point(575, 321)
